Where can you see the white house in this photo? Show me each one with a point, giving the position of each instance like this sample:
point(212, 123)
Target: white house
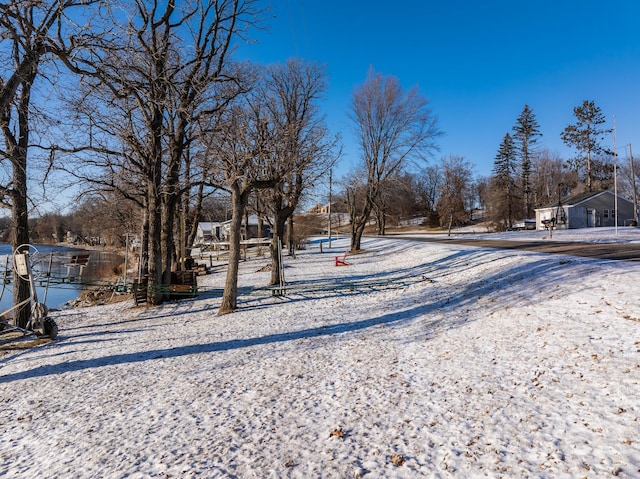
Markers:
point(587, 210)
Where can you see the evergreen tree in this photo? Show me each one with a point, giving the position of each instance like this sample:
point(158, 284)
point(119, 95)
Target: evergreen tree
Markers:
point(584, 136)
point(504, 167)
point(526, 131)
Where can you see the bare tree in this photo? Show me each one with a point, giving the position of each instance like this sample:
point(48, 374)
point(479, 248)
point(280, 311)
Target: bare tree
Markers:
point(394, 127)
point(397, 201)
point(32, 34)
point(204, 84)
point(430, 179)
point(455, 188)
point(481, 193)
point(550, 178)
point(303, 149)
point(240, 144)
point(355, 194)
point(628, 174)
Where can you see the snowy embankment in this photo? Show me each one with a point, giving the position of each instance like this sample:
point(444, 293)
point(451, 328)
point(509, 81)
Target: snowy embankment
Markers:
point(586, 235)
point(416, 360)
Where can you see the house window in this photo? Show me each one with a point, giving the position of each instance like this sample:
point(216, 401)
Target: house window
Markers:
point(613, 213)
point(605, 214)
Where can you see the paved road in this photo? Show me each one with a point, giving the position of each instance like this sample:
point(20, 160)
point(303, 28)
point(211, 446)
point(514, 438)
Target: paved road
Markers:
point(614, 251)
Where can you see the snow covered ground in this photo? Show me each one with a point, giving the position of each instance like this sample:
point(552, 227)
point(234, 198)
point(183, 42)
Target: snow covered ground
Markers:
point(416, 360)
point(586, 235)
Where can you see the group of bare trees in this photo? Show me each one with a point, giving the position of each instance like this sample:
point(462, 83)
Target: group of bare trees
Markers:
point(146, 89)
point(395, 128)
point(271, 145)
point(153, 112)
point(442, 193)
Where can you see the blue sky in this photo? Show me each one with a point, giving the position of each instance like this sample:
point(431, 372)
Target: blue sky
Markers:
point(478, 63)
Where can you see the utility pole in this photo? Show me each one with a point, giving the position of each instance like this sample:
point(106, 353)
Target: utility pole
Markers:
point(330, 180)
point(615, 177)
point(635, 193)
point(126, 255)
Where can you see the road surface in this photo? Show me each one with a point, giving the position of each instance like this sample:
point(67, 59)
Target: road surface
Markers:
point(613, 251)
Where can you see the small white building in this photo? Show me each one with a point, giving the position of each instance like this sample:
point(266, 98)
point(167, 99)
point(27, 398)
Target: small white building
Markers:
point(587, 210)
point(208, 233)
point(212, 232)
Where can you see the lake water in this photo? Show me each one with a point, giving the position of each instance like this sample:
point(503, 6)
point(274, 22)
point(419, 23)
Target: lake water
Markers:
point(65, 281)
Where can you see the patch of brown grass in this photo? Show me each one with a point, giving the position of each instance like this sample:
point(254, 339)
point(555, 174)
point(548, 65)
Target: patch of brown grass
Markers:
point(24, 344)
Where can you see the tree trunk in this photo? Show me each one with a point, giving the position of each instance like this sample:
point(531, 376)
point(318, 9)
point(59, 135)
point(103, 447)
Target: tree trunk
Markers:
point(170, 202)
point(154, 293)
point(144, 244)
point(357, 229)
point(192, 223)
point(19, 207)
point(381, 224)
point(509, 208)
point(22, 288)
point(278, 235)
point(260, 234)
point(230, 294)
point(291, 237)
point(167, 235)
point(181, 243)
point(589, 170)
point(358, 223)
point(154, 205)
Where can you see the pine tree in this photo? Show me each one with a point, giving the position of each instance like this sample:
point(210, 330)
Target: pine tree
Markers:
point(504, 168)
point(526, 131)
point(585, 135)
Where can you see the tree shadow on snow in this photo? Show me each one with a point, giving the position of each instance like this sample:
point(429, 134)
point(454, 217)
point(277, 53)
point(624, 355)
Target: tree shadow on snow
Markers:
point(521, 282)
point(214, 347)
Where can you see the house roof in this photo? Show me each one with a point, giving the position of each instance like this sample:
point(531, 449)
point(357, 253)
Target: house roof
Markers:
point(205, 226)
point(577, 200)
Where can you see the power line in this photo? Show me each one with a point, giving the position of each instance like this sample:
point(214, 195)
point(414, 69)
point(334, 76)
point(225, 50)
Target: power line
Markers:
point(291, 27)
point(301, 22)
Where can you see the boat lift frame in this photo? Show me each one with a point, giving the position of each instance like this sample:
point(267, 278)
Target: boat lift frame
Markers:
point(39, 319)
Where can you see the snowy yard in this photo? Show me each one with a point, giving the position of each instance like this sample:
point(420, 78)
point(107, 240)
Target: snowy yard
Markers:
point(416, 360)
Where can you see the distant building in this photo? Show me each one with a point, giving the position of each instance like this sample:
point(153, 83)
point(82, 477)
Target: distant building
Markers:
point(319, 209)
point(587, 210)
point(208, 232)
point(211, 232)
